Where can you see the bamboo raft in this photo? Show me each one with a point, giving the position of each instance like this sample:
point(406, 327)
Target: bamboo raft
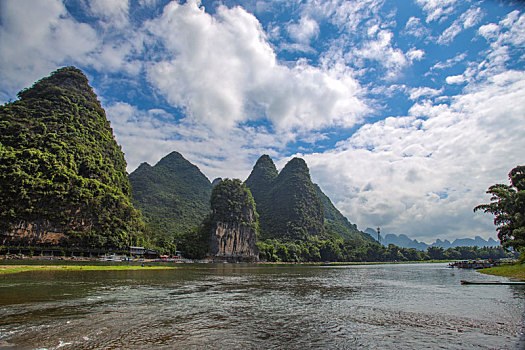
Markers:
point(518, 283)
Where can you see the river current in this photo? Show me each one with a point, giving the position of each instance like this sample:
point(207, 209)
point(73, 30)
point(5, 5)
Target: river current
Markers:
point(241, 306)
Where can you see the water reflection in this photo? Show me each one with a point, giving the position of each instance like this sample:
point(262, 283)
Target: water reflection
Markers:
point(259, 306)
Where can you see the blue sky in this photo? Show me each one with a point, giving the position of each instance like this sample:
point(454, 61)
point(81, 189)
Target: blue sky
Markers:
point(405, 111)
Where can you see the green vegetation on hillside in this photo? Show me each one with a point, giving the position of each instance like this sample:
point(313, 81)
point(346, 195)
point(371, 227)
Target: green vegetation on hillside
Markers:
point(174, 199)
point(260, 183)
point(287, 203)
point(234, 222)
point(261, 178)
point(61, 170)
point(292, 208)
point(336, 223)
point(63, 182)
point(232, 202)
point(295, 209)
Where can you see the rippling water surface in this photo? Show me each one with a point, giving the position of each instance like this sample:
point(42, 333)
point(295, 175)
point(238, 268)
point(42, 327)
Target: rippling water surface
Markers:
point(238, 306)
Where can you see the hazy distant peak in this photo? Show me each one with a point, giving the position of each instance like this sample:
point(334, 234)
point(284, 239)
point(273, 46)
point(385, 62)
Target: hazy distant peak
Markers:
point(404, 241)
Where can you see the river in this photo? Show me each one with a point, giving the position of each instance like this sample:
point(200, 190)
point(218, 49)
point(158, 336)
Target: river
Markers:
point(241, 306)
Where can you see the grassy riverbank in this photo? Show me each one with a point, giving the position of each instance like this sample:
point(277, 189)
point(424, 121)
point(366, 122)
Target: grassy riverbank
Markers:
point(9, 269)
point(516, 271)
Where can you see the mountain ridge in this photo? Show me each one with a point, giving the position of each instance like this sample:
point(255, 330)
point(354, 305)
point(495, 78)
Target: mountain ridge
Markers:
point(173, 196)
point(337, 222)
point(296, 209)
point(310, 212)
point(404, 241)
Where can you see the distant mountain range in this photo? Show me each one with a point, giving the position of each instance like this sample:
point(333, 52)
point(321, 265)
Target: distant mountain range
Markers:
point(405, 242)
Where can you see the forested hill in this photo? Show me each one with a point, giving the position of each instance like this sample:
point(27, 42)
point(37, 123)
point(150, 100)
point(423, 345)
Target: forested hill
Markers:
point(291, 207)
point(261, 178)
point(295, 208)
point(260, 183)
point(174, 196)
point(337, 223)
point(63, 177)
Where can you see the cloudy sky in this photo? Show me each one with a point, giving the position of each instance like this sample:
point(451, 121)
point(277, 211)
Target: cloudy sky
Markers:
point(405, 111)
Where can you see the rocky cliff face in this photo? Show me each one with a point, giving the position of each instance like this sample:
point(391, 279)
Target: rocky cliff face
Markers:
point(235, 241)
point(34, 233)
point(234, 222)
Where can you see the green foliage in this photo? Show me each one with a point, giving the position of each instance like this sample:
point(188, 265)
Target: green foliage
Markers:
point(274, 250)
point(288, 203)
point(196, 243)
point(173, 196)
point(508, 205)
point(261, 179)
point(61, 169)
point(336, 223)
point(215, 182)
point(296, 209)
point(292, 208)
point(233, 207)
point(160, 240)
point(355, 250)
point(515, 271)
point(436, 253)
point(260, 183)
point(232, 202)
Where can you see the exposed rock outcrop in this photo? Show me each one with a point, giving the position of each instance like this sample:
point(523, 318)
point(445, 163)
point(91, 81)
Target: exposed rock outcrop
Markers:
point(236, 241)
point(34, 233)
point(234, 222)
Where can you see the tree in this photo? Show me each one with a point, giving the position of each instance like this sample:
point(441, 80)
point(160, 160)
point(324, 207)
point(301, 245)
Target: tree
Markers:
point(508, 205)
point(436, 253)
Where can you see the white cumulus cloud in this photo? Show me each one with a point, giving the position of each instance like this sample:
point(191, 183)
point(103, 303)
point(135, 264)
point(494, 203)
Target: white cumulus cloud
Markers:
point(415, 54)
point(415, 174)
point(468, 19)
point(112, 13)
point(42, 36)
point(416, 93)
point(436, 9)
point(304, 31)
point(50, 38)
point(489, 31)
point(415, 28)
point(380, 49)
point(455, 79)
point(148, 135)
point(223, 71)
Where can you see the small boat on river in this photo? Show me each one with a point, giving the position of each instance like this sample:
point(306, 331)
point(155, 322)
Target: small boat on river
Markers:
point(473, 264)
point(497, 283)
